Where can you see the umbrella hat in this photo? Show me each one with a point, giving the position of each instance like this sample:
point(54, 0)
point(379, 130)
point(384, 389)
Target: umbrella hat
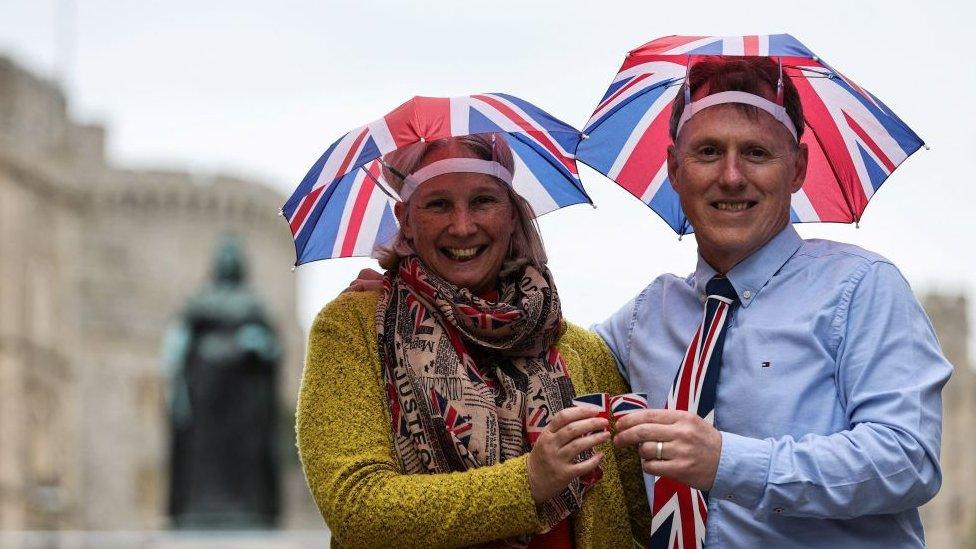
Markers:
point(343, 208)
point(854, 140)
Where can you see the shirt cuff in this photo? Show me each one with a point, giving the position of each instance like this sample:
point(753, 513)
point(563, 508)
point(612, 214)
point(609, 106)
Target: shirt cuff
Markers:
point(743, 469)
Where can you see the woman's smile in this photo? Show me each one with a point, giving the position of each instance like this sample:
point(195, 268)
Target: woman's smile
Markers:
point(463, 255)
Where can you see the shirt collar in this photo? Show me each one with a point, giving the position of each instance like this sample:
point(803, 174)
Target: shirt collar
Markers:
point(751, 274)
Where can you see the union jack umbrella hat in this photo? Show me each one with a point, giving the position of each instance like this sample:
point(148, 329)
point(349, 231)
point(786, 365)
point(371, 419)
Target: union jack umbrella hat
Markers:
point(343, 208)
point(855, 141)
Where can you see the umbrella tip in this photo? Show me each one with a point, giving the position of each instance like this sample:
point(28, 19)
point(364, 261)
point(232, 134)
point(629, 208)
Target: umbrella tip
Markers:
point(293, 267)
point(281, 212)
point(584, 136)
point(926, 145)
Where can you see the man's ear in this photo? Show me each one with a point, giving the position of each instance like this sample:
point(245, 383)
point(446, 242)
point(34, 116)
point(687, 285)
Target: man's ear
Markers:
point(400, 210)
point(800, 167)
point(672, 164)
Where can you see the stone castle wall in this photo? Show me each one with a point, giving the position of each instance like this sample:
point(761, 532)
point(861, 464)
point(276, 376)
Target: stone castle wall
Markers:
point(94, 263)
point(950, 518)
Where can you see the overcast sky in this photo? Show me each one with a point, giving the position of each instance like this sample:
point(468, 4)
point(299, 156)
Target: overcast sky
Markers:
point(260, 89)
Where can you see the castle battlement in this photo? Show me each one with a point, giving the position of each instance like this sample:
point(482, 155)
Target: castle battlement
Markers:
point(34, 120)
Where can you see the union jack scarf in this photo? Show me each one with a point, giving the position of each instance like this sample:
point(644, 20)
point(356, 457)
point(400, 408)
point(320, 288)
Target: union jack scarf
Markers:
point(472, 382)
point(680, 512)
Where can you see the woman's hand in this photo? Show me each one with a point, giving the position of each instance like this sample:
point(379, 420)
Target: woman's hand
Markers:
point(367, 281)
point(550, 464)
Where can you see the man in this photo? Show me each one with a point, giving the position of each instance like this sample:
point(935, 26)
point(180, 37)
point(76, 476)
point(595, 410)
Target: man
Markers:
point(827, 408)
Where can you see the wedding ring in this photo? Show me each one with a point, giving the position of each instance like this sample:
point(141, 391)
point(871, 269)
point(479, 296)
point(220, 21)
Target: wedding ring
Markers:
point(660, 451)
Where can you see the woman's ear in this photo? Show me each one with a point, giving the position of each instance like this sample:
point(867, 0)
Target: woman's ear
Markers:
point(401, 211)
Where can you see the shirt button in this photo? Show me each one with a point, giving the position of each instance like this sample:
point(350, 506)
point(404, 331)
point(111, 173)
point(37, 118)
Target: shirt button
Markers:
point(747, 294)
point(730, 497)
point(778, 510)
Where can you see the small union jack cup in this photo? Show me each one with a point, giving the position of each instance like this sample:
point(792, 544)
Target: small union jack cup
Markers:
point(596, 401)
point(627, 403)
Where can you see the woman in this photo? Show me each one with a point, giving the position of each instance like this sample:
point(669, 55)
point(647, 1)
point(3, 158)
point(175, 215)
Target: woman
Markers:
point(439, 413)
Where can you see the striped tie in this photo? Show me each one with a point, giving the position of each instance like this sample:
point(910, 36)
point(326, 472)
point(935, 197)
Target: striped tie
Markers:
point(680, 511)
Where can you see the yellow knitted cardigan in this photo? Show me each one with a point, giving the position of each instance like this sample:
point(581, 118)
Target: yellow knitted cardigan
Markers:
point(347, 452)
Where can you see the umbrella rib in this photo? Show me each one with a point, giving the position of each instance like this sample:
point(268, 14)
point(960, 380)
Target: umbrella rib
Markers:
point(378, 184)
point(823, 74)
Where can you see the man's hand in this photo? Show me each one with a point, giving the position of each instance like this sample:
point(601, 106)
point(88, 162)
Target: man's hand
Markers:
point(691, 448)
point(368, 281)
point(551, 463)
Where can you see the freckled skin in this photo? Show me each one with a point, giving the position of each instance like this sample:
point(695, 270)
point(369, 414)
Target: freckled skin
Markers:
point(724, 155)
point(459, 210)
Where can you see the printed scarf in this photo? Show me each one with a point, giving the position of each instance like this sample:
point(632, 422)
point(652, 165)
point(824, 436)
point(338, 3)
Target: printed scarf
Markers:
point(472, 382)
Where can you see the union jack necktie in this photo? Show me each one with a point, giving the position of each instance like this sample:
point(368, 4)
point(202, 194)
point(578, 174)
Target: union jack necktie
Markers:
point(680, 512)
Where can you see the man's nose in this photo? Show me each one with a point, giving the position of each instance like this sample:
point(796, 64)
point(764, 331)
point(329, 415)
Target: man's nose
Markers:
point(462, 223)
point(732, 175)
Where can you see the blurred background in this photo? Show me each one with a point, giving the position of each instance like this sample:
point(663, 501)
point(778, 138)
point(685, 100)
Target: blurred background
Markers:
point(147, 300)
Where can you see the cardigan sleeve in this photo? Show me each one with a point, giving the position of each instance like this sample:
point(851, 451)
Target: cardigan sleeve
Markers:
point(631, 472)
point(603, 376)
point(348, 456)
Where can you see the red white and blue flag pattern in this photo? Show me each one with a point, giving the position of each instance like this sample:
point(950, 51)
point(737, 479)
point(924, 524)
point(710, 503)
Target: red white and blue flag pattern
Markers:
point(343, 208)
point(489, 319)
point(678, 511)
point(627, 403)
point(596, 401)
point(458, 425)
point(855, 141)
point(535, 422)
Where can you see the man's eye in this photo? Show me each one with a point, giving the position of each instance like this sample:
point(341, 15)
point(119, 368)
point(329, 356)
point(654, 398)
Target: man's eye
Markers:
point(708, 150)
point(757, 154)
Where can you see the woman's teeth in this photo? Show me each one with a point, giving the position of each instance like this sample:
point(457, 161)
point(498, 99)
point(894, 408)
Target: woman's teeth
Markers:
point(732, 206)
point(462, 253)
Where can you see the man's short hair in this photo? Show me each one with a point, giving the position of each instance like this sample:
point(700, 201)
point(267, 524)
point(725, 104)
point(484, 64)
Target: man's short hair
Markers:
point(755, 75)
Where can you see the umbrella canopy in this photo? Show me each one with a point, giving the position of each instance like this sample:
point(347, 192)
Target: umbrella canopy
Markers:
point(855, 141)
point(343, 207)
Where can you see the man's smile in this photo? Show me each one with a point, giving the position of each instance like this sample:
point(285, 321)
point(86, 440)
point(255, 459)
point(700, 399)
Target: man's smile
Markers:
point(733, 205)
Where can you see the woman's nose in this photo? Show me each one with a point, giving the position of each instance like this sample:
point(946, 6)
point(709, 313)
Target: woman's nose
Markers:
point(462, 223)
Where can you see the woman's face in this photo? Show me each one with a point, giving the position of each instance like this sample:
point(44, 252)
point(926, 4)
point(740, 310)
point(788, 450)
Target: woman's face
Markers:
point(460, 224)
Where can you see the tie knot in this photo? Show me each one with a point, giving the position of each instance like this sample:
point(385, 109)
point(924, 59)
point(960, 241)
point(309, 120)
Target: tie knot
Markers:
point(721, 287)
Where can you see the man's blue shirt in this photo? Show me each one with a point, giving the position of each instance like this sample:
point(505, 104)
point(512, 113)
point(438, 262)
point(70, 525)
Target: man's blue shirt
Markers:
point(828, 399)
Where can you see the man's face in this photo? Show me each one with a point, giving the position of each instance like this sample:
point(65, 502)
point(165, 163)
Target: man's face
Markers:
point(734, 174)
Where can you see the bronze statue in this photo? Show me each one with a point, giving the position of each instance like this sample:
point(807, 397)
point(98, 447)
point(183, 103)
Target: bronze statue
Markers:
point(222, 354)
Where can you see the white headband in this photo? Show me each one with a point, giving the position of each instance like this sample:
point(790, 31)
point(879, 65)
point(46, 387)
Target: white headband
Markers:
point(777, 111)
point(453, 165)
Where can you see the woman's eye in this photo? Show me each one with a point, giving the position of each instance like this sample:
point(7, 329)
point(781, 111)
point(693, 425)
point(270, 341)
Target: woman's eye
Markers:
point(437, 204)
point(485, 200)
